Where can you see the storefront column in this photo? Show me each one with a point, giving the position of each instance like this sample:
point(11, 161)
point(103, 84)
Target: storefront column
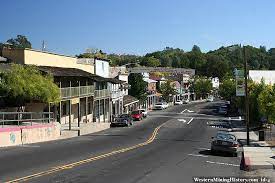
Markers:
point(99, 110)
point(86, 108)
point(104, 110)
point(78, 114)
point(70, 114)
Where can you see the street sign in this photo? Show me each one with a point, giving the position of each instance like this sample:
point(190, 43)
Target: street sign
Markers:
point(240, 83)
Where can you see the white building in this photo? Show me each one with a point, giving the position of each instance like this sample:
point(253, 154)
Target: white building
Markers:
point(215, 82)
point(267, 75)
point(121, 101)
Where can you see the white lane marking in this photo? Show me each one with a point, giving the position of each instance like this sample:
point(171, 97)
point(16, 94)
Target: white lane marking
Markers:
point(220, 163)
point(202, 148)
point(189, 111)
point(198, 155)
point(183, 111)
point(183, 120)
point(190, 121)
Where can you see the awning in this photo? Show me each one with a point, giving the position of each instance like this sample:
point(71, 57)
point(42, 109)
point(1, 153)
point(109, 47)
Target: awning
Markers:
point(149, 80)
point(70, 72)
point(128, 100)
point(115, 80)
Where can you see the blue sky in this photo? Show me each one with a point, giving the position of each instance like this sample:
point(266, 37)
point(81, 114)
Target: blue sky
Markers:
point(140, 26)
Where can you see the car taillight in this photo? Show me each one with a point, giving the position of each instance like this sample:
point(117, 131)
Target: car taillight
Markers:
point(235, 145)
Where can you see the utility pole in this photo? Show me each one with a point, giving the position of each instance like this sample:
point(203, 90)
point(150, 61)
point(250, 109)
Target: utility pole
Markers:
point(246, 96)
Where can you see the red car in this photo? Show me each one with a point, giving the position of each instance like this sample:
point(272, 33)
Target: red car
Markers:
point(137, 115)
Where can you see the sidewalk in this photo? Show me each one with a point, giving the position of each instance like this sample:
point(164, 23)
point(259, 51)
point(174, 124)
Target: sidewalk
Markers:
point(85, 128)
point(258, 155)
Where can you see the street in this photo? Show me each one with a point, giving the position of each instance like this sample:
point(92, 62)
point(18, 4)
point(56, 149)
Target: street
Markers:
point(172, 145)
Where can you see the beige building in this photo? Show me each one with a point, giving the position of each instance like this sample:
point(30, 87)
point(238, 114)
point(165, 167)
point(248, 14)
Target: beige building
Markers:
point(85, 97)
point(41, 58)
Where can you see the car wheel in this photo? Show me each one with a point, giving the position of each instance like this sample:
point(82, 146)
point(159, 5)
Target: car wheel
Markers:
point(235, 154)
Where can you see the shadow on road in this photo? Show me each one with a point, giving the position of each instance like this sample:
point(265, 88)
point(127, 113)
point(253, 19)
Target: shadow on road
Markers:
point(221, 154)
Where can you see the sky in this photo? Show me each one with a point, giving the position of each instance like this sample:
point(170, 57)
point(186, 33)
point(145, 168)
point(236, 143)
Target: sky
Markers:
point(138, 27)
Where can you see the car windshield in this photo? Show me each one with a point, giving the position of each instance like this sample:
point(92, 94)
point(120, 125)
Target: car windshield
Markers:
point(135, 112)
point(124, 116)
point(224, 136)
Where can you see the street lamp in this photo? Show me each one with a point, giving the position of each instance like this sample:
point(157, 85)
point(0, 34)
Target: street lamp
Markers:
point(246, 96)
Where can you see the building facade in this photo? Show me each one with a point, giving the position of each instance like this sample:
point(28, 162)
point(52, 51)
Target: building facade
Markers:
point(85, 96)
point(268, 76)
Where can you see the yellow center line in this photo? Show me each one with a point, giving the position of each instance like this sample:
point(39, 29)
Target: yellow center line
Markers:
point(71, 165)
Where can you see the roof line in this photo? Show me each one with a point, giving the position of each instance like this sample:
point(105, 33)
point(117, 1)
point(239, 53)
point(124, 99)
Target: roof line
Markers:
point(30, 49)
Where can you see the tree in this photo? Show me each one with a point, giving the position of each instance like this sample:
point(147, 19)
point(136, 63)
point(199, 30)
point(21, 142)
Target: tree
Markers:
point(198, 62)
point(20, 42)
point(263, 49)
point(216, 66)
point(22, 84)
point(266, 101)
point(150, 61)
point(168, 90)
point(196, 49)
point(116, 60)
point(93, 53)
point(202, 86)
point(255, 89)
point(138, 86)
point(227, 89)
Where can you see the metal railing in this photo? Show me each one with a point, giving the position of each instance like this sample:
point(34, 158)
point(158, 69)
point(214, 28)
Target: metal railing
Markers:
point(102, 93)
point(116, 94)
point(8, 119)
point(78, 91)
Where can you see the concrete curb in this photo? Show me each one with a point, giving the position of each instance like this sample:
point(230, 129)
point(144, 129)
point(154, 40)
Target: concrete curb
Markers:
point(254, 158)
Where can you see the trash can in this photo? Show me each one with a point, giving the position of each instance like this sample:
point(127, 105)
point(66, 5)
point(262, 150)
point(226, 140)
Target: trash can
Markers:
point(261, 135)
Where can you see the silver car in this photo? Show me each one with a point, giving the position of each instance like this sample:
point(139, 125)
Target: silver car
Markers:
point(224, 142)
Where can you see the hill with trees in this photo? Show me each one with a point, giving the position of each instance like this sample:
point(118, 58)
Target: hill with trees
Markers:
point(216, 63)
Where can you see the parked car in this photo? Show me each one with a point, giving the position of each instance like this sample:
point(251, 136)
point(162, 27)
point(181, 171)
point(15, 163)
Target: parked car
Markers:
point(186, 101)
point(222, 125)
point(223, 110)
point(210, 99)
point(144, 112)
point(225, 142)
point(122, 120)
point(137, 115)
point(178, 102)
point(160, 106)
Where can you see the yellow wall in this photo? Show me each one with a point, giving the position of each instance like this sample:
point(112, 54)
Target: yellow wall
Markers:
point(39, 58)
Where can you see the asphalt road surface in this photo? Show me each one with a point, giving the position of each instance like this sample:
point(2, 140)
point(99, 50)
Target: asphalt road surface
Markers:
point(169, 146)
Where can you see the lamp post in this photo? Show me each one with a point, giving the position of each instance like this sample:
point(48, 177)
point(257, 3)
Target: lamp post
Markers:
point(246, 96)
